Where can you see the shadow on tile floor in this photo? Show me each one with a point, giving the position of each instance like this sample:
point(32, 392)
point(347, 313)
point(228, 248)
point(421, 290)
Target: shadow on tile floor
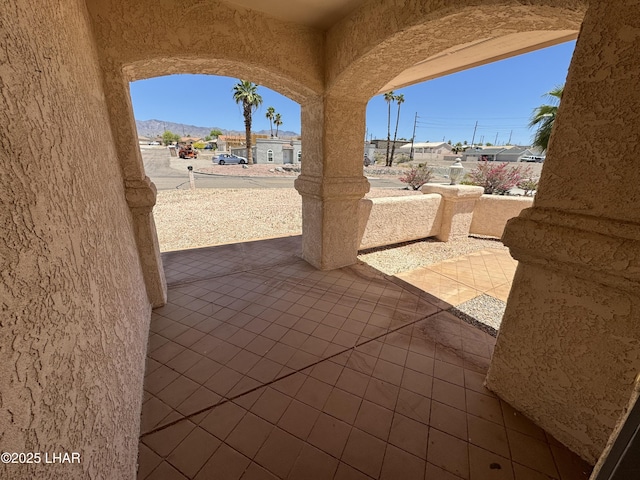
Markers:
point(261, 367)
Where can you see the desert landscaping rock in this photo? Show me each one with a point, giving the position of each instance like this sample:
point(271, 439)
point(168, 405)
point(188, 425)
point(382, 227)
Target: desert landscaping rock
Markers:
point(484, 311)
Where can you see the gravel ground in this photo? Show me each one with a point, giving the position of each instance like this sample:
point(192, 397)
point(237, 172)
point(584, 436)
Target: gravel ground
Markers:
point(411, 255)
point(190, 219)
point(484, 311)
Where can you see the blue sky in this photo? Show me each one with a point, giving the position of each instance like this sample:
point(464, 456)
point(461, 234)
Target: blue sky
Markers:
point(499, 96)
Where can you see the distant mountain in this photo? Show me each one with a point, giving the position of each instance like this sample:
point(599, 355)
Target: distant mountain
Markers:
point(152, 128)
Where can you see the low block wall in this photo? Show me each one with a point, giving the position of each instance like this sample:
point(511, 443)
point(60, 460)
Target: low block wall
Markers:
point(385, 221)
point(491, 213)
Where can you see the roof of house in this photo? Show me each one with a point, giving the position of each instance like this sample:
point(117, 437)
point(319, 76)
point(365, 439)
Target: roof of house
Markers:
point(425, 145)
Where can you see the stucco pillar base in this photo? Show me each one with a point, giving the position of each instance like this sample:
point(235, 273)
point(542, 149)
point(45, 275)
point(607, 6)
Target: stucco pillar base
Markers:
point(141, 197)
point(458, 202)
point(568, 350)
point(330, 219)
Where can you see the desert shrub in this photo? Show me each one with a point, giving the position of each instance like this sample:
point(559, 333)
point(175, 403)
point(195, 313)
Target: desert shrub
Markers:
point(416, 177)
point(199, 145)
point(497, 178)
point(529, 186)
point(401, 158)
point(379, 158)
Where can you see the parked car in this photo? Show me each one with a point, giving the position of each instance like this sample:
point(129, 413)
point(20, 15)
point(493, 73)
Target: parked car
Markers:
point(532, 158)
point(226, 158)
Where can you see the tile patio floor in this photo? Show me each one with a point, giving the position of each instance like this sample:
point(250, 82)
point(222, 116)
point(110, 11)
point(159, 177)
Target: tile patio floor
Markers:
point(261, 367)
point(458, 280)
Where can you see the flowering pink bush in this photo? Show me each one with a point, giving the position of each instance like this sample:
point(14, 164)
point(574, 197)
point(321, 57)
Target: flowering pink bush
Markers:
point(416, 177)
point(497, 178)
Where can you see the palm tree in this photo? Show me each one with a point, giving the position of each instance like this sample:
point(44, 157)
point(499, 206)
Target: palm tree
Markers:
point(246, 93)
point(399, 100)
point(277, 122)
point(271, 112)
point(544, 116)
point(388, 97)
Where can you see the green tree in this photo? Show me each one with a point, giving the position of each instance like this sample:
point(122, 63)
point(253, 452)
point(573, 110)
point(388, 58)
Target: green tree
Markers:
point(544, 116)
point(215, 132)
point(388, 97)
point(246, 93)
point(399, 100)
point(277, 121)
point(169, 137)
point(271, 113)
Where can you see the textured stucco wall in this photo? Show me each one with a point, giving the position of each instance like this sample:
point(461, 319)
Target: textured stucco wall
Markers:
point(75, 313)
point(568, 350)
point(384, 38)
point(150, 38)
point(491, 213)
point(385, 221)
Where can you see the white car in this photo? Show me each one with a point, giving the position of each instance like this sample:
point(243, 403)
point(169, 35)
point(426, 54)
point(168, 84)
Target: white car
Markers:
point(227, 158)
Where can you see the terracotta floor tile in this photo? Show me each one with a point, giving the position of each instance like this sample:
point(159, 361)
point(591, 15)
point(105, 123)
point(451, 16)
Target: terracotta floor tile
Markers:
point(164, 441)
point(531, 453)
point(148, 460)
point(571, 466)
point(249, 435)
point(256, 472)
point(448, 453)
point(247, 326)
point(198, 400)
point(193, 452)
point(484, 406)
point(299, 419)
point(342, 405)
point(417, 382)
point(449, 372)
point(436, 473)
point(448, 393)
point(329, 435)
point(364, 452)
point(383, 393)
point(409, 435)
point(221, 420)
point(521, 472)
point(449, 420)
point(223, 381)
point(487, 465)
point(271, 405)
point(166, 471)
point(399, 464)
point(488, 435)
point(313, 464)
point(353, 381)
point(279, 452)
point(314, 393)
point(515, 420)
point(177, 391)
point(225, 464)
point(414, 406)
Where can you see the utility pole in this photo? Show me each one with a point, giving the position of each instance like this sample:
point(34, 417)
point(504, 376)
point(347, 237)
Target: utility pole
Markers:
point(509, 142)
point(474, 133)
point(413, 136)
point(496, 142)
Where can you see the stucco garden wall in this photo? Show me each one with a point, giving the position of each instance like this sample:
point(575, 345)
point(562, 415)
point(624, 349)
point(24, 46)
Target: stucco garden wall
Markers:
point(75, 313)
point(385, 221)
point(491, 213)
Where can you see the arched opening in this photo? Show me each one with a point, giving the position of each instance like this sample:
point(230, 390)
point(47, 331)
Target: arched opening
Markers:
point(193, 121)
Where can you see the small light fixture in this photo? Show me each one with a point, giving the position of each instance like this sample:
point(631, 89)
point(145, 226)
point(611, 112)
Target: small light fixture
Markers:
point(190, 168)
point(455, 172)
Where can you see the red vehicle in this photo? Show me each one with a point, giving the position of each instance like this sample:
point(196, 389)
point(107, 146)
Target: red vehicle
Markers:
point(187, 151)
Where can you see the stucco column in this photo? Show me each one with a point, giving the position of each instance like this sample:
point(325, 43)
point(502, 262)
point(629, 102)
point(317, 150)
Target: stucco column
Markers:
point(568, 349)
point(141, 197)
point(140, 191)
point(331, 182)
point(457, 209)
